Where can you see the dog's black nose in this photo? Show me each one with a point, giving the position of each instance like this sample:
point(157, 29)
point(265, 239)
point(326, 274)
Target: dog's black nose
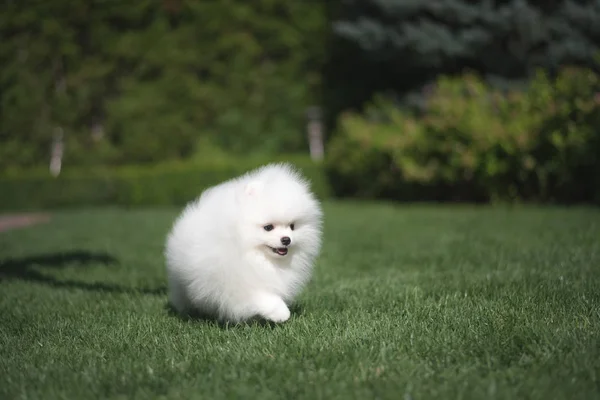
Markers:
point(286, 241)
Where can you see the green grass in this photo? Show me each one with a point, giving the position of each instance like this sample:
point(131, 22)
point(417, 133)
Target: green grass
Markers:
point(416, 302)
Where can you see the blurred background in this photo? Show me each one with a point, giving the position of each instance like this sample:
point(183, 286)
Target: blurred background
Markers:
point(148, 102)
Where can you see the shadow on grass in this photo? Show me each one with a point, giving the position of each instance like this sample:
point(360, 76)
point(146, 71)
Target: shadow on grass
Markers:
point(26, 269)
point(296, 310)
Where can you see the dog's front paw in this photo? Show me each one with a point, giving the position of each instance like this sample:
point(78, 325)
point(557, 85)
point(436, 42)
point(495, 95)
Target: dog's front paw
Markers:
point(274, 309)
point(279, 314)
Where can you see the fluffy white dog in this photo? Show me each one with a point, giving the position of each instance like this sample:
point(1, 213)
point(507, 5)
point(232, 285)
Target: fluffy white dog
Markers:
point(245, 247)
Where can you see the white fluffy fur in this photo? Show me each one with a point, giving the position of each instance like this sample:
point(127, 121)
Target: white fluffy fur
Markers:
point(220, 259)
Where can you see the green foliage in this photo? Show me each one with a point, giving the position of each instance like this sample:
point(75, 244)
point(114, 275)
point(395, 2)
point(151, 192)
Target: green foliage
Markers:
point(145, 81)
point(475, 142)
point(400, 46)
point(173, 183)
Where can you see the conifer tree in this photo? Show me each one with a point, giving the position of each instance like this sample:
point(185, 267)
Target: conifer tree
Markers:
point(398, 46)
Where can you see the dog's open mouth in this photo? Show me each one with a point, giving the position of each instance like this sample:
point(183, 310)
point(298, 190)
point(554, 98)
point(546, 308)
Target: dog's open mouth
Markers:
point(282, 251)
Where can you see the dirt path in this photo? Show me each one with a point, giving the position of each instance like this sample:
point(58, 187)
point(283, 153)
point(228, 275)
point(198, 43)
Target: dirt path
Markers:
point(14, 221)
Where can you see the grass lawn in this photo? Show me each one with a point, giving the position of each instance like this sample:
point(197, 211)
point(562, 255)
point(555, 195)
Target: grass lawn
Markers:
point(416, 302)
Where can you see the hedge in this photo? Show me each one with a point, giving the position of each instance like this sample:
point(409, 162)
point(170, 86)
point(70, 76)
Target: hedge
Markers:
point(477, 143)
point(167, 184)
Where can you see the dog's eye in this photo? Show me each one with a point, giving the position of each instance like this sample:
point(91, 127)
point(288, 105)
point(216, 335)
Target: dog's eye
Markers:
point(268, 227)
point(292, 226)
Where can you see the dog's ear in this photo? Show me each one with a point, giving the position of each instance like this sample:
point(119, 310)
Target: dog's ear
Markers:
point(252, 188)
point(247, 191)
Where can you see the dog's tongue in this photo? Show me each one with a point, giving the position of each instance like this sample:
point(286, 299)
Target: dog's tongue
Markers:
point(282, 250)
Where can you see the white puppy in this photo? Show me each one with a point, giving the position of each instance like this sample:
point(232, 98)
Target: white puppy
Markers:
point(246, 247)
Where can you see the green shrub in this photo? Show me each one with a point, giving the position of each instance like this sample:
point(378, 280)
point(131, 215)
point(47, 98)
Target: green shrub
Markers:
point(477, 143)
point(158, 185)
point(401, 46)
